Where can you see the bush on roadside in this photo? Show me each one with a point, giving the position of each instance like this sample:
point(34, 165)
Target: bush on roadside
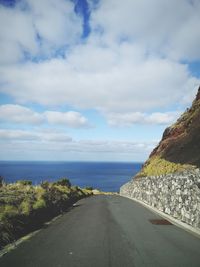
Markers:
point(63, 182)
point(39, 204)
point(45, 184)
point(24, 182)
point(9, 212)
point(89, 188)
point(24, 208)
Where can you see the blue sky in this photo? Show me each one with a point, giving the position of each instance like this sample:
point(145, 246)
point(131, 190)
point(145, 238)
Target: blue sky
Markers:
point(94, 80)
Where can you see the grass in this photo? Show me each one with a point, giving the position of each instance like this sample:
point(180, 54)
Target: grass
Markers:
point(159, 166)
point(24, 207)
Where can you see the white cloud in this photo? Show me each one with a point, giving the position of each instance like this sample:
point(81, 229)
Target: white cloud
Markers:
point(35, 136)
point(125, 119)
point(58, 145)
point(102, 73)
point(19, 37)
point(20, 114)
point(166, 27)
point(21, 135)
point(71, 118)
point(54, 136)
point(128, 85)
point(163, 118)
point(54, 22)
point(128, 119)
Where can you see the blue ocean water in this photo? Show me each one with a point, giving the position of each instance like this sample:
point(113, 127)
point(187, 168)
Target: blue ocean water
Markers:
point(104, 176)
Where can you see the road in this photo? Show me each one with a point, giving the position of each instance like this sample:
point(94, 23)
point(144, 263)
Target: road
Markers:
point(107, 231)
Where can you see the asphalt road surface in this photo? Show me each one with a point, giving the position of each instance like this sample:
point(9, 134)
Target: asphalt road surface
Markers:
point(107, 231)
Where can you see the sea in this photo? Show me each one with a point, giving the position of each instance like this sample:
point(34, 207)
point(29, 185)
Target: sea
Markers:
point(105, 176)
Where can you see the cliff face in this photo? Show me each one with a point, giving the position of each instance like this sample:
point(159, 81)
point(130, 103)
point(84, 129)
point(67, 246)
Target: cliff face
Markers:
point(179, 148)
point(170, 179)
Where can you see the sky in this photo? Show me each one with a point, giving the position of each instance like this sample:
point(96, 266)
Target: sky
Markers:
point(94, 80)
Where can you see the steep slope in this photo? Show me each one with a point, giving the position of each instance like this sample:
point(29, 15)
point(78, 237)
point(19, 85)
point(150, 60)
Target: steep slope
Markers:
point(179, 148)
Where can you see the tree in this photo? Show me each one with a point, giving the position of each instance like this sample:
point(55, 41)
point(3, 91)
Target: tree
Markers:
point(63, 182)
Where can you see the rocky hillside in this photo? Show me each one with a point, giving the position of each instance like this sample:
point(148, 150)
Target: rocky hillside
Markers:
point(179, 148)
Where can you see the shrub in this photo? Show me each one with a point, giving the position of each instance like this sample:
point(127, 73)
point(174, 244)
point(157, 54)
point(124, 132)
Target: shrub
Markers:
point(25, 207)
point(75, 188)
point(9, 212)
point(24, 182)
point(160, 166)
point(89, 188)
point(63, 182)
point(39, 204)
point(86, 192)
point(45, 184)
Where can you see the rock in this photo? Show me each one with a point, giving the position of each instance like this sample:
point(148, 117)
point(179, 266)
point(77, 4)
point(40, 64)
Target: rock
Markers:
point(182, 203)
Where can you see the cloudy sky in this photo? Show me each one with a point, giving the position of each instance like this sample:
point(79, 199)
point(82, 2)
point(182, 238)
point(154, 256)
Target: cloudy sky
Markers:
point(94, 79)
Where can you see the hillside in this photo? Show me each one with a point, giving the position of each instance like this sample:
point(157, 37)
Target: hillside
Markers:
point(179, 148)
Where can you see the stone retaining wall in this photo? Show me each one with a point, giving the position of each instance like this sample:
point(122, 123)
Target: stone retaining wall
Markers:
point(177, 194)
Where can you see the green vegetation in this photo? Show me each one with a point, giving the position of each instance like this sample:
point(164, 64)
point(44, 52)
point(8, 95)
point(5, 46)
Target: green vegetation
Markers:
point(1, 181)
point(24, 207)
point(159, 166)
point(24, 182)
point(63, 182)
point(89, 188)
